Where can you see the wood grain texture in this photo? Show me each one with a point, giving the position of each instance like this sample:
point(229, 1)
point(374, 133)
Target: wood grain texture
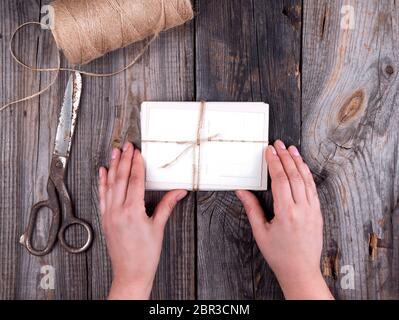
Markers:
point(345, 117)
point(109, 115)
point(350, 138)
point(251, 54)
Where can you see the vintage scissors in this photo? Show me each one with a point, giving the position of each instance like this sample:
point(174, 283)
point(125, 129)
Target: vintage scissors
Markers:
point(59, 201)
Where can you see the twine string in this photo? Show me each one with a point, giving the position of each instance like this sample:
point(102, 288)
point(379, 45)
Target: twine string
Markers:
point(58, 69)
point(195, 145)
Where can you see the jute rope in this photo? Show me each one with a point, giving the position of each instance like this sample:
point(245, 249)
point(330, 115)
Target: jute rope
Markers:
point(196, 145)
point(87, 29)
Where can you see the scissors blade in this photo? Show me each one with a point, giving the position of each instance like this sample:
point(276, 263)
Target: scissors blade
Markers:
point(68, 116)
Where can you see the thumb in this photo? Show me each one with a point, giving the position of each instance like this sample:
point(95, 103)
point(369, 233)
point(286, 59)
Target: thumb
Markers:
point(253, 209)
point(166, 205)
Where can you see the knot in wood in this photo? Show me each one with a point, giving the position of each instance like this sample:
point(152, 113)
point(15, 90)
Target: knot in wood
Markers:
point(293, 13)
point(351, 107)
point(389, 70)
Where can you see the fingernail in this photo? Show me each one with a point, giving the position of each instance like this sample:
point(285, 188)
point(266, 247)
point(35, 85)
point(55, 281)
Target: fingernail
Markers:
point(294, 151)
point(114, 154)
point(100, 173)
point(181, 195)
point(281, 145)
point(125, 147)
point(239, 194)
point(273, 150)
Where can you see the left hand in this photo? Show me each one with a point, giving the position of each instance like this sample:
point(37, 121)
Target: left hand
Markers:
point(134, 240)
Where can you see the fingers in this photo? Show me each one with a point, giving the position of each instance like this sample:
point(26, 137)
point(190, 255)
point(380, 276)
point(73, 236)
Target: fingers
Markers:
point(113, 169)
point(102, 189)
point(310, 186)
point(280, 185)
point(136, 184)
point(122, 174)
point(165, 207)
point(294, 177)
point(254, 211)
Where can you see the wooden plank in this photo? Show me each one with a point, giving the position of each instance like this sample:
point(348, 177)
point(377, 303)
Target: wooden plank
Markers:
point(36, 130)
point(106, 98)
point(279, 36)
point(350, 139)
point(169, 76)
point(10, 135)
point(169, 60)
point(252, 53)
point(23, 181)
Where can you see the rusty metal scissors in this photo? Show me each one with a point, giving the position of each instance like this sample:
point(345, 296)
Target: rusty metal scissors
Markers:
point(59, 201)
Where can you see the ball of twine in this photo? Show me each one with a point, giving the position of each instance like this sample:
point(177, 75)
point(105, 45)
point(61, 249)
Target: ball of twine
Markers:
point(85, 30)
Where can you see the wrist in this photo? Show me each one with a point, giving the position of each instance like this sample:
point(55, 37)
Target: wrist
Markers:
point(309, 285)
point(129, 290)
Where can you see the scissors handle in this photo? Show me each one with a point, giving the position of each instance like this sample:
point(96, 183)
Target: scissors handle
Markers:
point(75, 222)
point(70, 220)
point(52, 204)
point(58, 202)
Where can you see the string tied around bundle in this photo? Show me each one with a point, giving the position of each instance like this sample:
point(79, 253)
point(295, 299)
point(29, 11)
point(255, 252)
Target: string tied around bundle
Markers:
point(85, 30)
point(195, 146)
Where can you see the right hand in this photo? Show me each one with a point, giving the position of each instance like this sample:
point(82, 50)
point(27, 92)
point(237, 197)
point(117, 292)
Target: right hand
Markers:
point(292, 242)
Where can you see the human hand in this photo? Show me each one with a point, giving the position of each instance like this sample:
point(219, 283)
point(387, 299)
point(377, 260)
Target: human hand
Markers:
point(292, 242)
point(134, 240)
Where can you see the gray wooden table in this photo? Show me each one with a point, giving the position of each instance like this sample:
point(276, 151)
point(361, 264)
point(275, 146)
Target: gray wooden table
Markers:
point(332, 88)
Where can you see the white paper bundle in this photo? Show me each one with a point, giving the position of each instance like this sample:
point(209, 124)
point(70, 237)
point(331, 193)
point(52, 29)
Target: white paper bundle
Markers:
point(205, 145)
